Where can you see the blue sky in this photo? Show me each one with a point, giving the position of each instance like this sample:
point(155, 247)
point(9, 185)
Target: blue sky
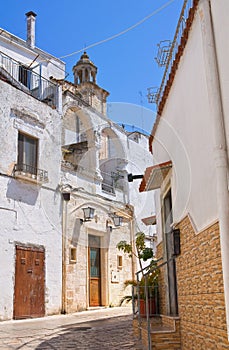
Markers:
point(126, 64)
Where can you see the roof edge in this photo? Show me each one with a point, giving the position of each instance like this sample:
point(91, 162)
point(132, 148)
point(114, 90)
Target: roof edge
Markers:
point(180, 51)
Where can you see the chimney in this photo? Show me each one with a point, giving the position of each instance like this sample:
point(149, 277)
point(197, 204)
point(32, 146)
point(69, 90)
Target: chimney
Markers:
point(31, 19)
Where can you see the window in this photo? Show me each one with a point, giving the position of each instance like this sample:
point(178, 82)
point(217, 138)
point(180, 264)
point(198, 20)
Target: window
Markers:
point(27, 153)
point(24, 76)
point(72, 255)
point(119, 258)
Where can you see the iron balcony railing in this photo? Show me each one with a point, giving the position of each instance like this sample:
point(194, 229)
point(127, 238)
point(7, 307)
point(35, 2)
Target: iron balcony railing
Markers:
point(112, 181)
point(108, 183)
point(29, 81)
point(31, 173)
point(155, 95)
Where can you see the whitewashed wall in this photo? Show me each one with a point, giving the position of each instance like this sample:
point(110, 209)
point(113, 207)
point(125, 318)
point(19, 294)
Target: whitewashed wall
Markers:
point(29, 214)
point(185, 136)
point(139, 158)
point(17, 48)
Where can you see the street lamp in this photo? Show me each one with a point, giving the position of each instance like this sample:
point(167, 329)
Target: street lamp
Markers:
point(88, 213)
point(117, 220)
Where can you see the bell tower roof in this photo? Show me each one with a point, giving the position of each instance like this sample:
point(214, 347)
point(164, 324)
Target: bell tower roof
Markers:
point(84, 59)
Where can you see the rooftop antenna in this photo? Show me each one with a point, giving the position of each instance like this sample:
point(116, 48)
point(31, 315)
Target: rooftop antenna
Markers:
point(141, 102)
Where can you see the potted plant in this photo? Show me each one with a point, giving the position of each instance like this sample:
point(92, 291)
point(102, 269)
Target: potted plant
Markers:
point(148, 281)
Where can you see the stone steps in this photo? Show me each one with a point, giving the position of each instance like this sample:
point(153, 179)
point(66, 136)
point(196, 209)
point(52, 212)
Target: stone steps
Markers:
point(165, 333)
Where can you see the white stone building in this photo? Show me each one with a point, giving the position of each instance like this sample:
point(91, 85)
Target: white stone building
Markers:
point(97, 156)
point(62, 155)
point(30, 202)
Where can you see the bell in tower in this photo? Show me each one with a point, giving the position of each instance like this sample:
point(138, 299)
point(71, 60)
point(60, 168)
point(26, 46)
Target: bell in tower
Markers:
point(84, 71)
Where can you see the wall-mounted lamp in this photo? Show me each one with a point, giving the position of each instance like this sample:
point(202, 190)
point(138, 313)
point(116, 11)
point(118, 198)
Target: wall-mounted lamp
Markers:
point(117, 220)
point(88, 213)
point(176, 242)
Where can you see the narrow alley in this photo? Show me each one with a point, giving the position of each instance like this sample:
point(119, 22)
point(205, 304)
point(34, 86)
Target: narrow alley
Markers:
point(107, 328)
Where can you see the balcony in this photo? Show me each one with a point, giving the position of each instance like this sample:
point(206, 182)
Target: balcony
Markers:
point(74, 155)
point(112, 181)
point(27, 80)
point(29, 173)
point(108, 184)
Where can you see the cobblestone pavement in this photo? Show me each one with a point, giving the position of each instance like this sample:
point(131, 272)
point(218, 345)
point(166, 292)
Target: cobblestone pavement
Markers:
point(108, 330)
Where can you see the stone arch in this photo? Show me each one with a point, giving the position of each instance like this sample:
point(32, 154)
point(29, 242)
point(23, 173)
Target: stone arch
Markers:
point(79, 144)
point(112, 160)
point(112, 143)
point(77, 121)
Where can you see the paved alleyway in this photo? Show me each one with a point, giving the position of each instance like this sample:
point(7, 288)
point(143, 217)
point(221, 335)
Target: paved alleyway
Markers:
point(109, 329)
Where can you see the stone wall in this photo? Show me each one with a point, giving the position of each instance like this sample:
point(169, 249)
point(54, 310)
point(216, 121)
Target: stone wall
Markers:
point(162, 281)
point(200, 289)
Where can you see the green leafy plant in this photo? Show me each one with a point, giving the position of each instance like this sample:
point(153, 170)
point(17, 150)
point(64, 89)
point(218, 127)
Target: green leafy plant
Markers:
point(142, 253)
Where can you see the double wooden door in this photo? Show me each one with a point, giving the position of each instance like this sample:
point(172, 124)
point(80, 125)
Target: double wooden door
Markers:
point(29, 291)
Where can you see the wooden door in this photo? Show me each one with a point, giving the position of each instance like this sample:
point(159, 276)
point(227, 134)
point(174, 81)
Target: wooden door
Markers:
point(29, 296)
point(94, 271)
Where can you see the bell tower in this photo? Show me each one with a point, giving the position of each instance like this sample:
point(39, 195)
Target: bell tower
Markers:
point(85, 81)
point(84, 70)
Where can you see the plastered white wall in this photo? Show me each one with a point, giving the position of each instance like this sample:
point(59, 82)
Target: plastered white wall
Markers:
point(139, 159)
point(29, 214)
point(185, 136)
point(19, 51)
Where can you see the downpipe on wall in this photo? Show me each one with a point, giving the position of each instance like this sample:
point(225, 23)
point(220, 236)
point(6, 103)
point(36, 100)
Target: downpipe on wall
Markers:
point(220, 146)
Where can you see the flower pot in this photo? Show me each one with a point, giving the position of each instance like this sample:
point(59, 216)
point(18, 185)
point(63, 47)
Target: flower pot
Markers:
point(151, 307)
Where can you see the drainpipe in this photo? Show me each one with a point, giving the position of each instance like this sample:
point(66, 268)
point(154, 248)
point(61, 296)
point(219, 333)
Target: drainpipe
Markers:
point(220, 146)
point(132, 240)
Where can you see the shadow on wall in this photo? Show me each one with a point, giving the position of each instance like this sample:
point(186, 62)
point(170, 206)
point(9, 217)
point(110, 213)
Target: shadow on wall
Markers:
point(22, 192)
point(76, 232)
